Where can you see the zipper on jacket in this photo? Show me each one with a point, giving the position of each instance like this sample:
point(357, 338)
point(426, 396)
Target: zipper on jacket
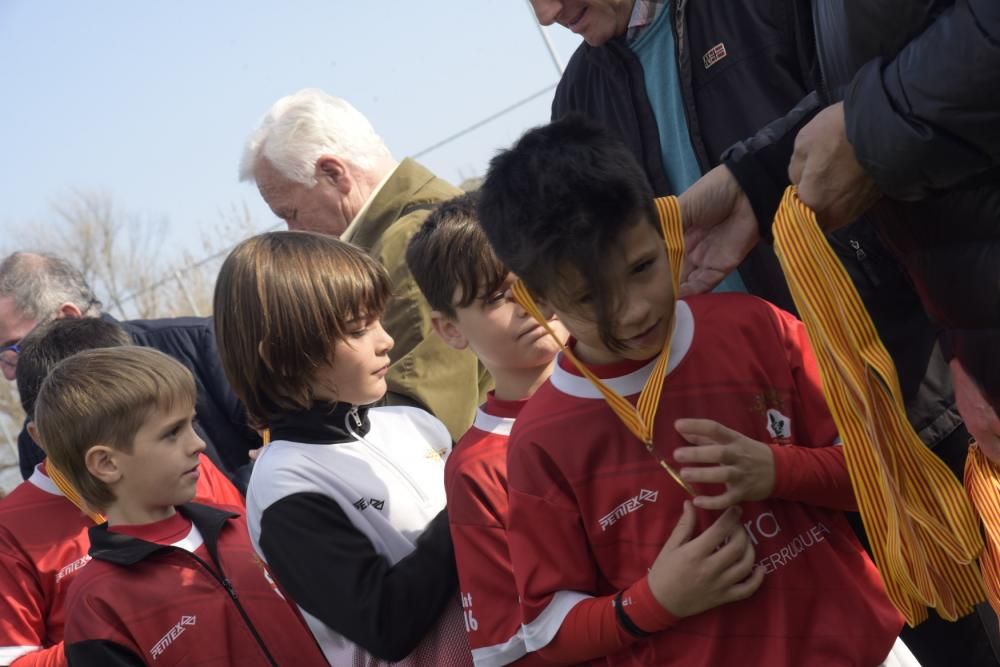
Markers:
point(686, 81)
point(824, 95)
point(228, 586)
point(863, 262)
point(353, 414)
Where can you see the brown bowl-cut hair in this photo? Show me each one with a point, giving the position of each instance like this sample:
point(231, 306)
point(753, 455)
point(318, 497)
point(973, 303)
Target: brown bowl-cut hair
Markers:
point(282, 301)
point(103, 397)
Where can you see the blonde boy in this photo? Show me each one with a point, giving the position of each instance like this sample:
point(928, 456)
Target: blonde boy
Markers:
point(117, 423)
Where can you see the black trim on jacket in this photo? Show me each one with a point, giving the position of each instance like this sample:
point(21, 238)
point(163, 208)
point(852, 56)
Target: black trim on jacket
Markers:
point(332, 571)
point(322, 424)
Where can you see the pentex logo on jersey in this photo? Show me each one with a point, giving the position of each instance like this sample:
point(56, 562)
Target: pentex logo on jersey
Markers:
point(71, 568)
point(632, 504)
point(172, 634)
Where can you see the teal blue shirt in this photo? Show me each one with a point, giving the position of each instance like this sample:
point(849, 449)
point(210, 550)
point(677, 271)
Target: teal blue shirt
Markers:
point(658, 56)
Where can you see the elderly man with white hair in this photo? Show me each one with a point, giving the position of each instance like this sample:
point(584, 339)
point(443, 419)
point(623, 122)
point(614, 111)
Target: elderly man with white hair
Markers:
point(320, 166)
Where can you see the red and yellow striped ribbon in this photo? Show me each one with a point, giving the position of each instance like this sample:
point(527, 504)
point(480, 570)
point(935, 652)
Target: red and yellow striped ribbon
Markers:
point(70, 492)
point(637, 418)
point(982, 482)
point(922, 529)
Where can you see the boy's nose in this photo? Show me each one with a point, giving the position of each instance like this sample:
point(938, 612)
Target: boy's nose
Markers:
point(386, 342)
point(198, 445)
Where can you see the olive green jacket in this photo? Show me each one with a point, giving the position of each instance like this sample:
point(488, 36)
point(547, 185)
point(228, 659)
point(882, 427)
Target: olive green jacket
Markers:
point(425, 372)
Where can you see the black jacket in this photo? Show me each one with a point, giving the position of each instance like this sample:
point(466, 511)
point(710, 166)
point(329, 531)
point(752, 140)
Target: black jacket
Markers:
point(918, 82)
point(771, 66)
point(221, 417)
point(923, 105)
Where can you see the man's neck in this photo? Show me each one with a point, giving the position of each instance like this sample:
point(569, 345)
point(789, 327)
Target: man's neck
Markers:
point(369, 184)
point(520, 384)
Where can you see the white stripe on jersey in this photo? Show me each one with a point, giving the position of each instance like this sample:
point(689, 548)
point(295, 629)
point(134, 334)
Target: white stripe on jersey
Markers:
point(631, 384)
point(543, 629)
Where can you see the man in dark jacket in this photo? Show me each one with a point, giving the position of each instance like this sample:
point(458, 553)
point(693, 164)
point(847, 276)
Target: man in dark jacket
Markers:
point(35, 288)
point(916, 118)
point(737, 67)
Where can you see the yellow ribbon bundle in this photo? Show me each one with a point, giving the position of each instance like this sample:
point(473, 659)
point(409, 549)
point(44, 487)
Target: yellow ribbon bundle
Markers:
point(922, 529)
point(982, 482)
point(637, 418)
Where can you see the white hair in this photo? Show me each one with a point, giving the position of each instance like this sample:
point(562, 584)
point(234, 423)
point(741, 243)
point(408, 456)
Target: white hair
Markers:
point(302, 127)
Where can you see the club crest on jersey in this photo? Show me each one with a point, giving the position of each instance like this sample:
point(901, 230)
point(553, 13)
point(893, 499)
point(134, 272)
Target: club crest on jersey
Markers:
point(632, 504)
point(779, 426)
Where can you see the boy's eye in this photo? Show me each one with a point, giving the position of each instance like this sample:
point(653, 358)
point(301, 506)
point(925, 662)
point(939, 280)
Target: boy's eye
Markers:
point(494, 298)
point(642, 266)
point(359, 333)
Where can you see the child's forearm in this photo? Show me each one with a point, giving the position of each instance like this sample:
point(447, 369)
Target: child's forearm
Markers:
point(592, 628)
point(814, 476)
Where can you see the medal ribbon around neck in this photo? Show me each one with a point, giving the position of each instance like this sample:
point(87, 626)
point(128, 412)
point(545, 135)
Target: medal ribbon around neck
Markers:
point(71, 494)
point(639, 418)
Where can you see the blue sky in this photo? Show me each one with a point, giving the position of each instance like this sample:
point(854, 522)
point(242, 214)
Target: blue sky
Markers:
point(151, 101)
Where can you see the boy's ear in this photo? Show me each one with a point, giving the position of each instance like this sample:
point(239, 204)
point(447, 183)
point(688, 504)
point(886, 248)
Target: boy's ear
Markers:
point(448, 330)
point(33, 432)
point(102, 463)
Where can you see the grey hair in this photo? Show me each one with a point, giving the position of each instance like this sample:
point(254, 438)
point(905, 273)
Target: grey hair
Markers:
point(302, 127)
point(39, 283)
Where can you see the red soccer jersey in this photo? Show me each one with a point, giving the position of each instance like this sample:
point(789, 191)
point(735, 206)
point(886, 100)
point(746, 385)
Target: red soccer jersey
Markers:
point(476, 483)
point(187, 590)
point(590, 509)
point(43, 544)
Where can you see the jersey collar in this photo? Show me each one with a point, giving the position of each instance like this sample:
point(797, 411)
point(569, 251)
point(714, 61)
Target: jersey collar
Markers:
point(43, 481)
point(626, 379)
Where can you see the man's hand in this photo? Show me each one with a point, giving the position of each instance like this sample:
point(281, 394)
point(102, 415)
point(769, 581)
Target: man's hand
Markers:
point(827, 173)
point(724, 456)
point(690, 576)
point(719, 230)
point(980, 418)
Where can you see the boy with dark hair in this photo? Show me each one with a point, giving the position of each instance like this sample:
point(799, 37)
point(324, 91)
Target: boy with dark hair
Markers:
point(468, 289)
point(610, 555)
point(43, 529)
point(171, 582)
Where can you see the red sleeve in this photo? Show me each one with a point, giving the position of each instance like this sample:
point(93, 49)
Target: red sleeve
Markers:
point(814, 476)
point(215, 488)
point(22, 605)
point(477, 513)
point(592, 630)
point(813, 471)
point(54, 656)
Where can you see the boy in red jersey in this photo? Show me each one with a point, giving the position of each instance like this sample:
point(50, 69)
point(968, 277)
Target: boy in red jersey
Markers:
point(468, 289)
point(170, 582)
point(610, 555)
point(43, 534)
